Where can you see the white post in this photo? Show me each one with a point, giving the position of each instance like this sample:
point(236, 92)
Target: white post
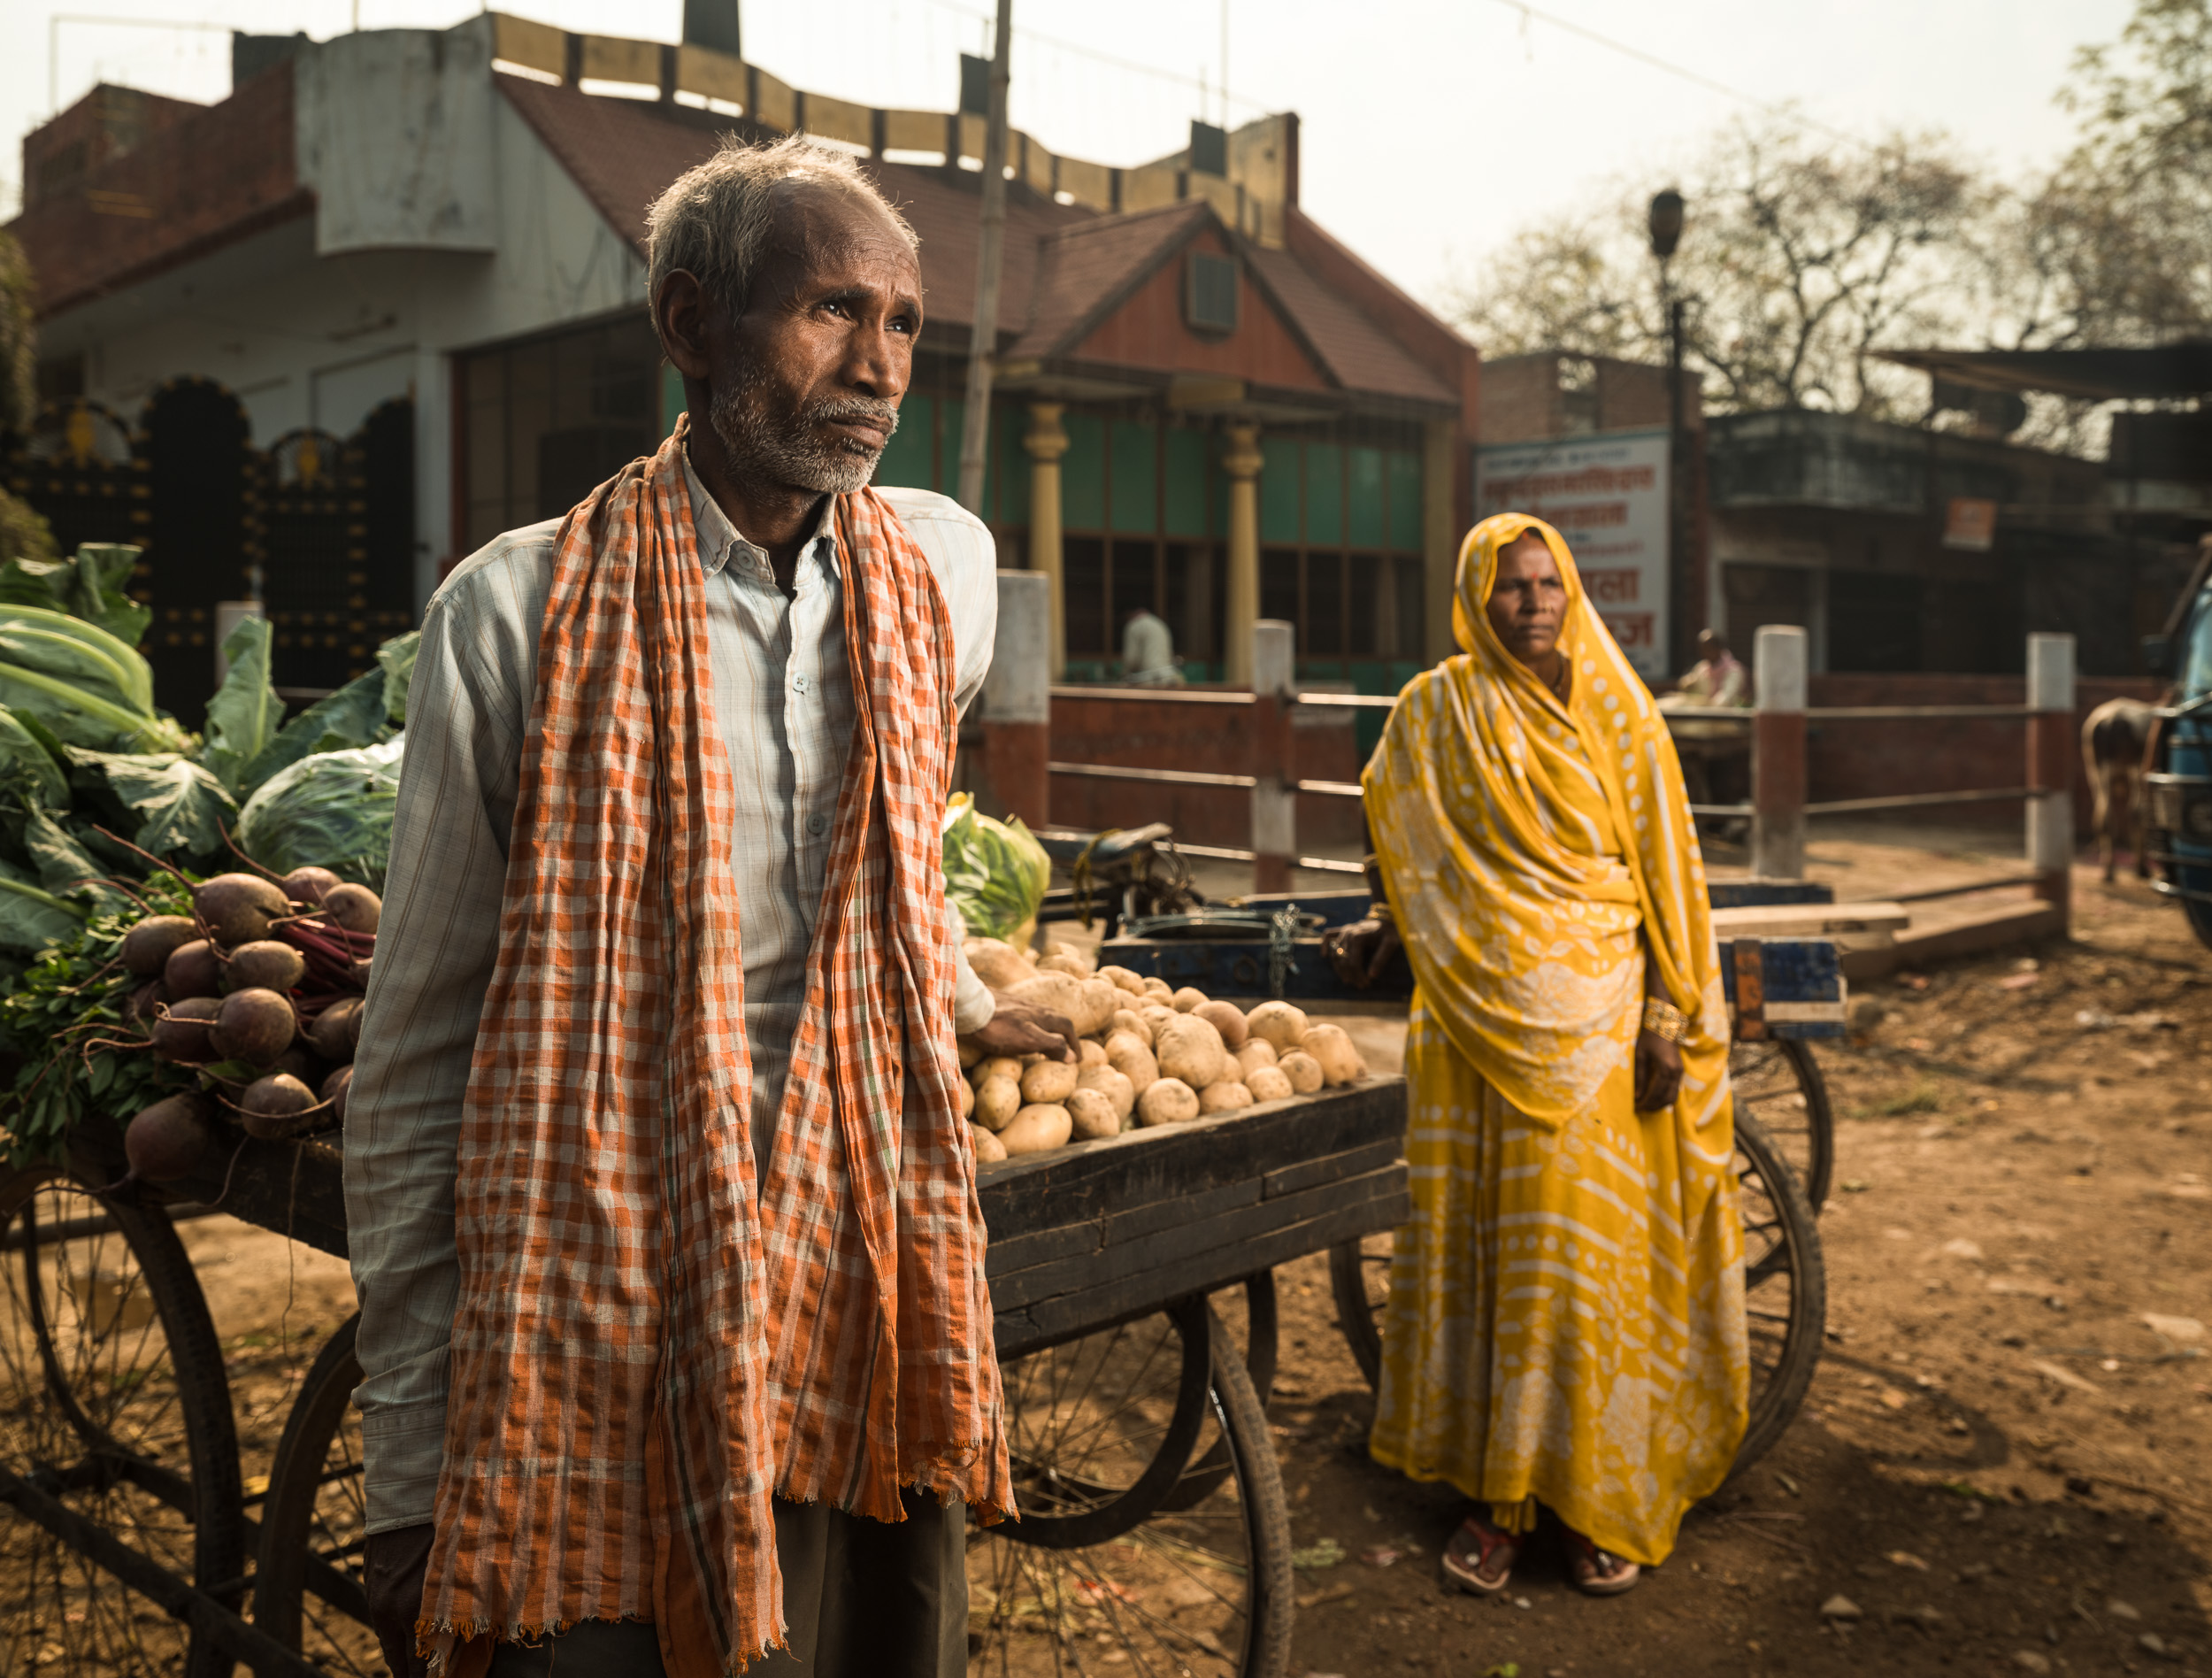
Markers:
point(2051, 751)
point(1777, 754)
point(1017, 697)
point(1274, 802)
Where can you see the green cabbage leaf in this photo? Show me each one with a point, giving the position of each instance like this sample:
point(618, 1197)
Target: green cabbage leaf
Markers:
point(996, 872)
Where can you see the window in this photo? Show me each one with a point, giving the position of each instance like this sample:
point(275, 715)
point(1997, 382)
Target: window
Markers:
point(1209, 300)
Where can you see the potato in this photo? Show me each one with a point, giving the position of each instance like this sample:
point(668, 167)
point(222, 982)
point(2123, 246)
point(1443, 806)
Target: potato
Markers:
point(1114, 1086)
point(1131, 1021)
point(1063, 964)
point(1331, 1046)
point(1168, 1102)
point(1279, 1023)
point(1189, 1047)
point(1268, 1083)
point(1090, 1052)
point(1082, 959)
point(999, 965)
point(1255, 1052)
point(1228, 1096)
point(1136, 1065)
point(987, 1144)
point(1228, 1019)
point(1104, 1001)
point(1093, 1115)
point(1047, 1082)
point(1303, 1070)
point(971, 1052)
point(995, 1066)
point(1089, 1002)
point(1188, 999)
point(996, 1101)
point(967, 1100)
point(1122, 979)
point(1155, 985)
point(1155, 1015)
point(1037, 1128)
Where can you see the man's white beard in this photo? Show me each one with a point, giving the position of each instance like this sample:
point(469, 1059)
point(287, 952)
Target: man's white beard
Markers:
point(802, 457)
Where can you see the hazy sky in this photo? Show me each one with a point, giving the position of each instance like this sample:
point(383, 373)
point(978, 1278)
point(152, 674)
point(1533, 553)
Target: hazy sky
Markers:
point(1431, 131)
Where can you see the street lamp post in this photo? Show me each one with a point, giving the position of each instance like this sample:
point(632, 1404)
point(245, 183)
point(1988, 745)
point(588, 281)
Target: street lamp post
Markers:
point(1666, 232)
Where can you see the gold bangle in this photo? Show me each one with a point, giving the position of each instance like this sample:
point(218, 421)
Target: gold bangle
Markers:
point(1662, 1019)
point(1381, 911)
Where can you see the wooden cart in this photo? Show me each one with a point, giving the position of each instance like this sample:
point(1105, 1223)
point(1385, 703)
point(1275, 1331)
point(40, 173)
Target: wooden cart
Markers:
point(1136, 1331)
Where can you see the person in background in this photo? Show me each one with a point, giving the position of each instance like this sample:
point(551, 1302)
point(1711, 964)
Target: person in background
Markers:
point(1718, 678)
point(1565, 1327)
point(1147, 651)
point(1716, 756)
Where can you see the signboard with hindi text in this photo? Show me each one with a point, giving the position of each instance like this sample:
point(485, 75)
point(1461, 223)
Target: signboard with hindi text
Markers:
point(1606, 493)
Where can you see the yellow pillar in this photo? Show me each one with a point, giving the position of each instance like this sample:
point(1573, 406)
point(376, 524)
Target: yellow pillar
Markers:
point(1046, 439)
point(1242, 460)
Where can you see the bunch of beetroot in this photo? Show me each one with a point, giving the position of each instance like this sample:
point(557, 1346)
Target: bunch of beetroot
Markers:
point(259, 989)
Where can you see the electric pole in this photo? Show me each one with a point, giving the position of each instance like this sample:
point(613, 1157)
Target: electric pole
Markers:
point(975, 423)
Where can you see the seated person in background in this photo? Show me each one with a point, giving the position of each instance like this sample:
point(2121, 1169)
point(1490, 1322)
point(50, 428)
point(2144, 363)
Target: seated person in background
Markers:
point(1718, 678)
point(1147, 651)
point(1716, 756)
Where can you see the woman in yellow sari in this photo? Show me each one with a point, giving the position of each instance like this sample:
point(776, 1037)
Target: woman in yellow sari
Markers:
point(1565, 1325)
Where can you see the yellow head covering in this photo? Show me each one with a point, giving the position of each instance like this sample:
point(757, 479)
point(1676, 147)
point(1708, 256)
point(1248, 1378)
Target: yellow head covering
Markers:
point(1526, 843)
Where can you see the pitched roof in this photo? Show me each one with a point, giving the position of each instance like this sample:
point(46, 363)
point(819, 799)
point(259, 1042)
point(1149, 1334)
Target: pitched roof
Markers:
point(1088, 268)
point(1360, 355)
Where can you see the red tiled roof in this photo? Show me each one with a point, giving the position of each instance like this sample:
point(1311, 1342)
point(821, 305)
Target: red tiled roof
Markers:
point(1360, 355)
point(1088, 269)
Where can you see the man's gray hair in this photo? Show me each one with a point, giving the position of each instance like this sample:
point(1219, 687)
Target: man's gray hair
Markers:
point(715, 220)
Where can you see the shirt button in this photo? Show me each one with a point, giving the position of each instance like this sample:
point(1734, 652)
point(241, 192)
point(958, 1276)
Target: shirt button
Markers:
point(817, 825)
point(800, 684)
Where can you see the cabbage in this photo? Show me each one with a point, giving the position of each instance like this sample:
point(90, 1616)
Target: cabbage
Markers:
point(89, 688)
point(331, 810)
point(996, 872)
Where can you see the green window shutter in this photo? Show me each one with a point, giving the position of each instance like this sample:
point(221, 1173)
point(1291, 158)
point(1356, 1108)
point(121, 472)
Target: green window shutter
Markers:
point(1136, 477)
point(1083, 473)
point(949, 414)
point(1364, 498)
point(1405, 501)
point(1007, 487)
point(1186, 452)
point(1278, 488)
point(1325, 495)
point(672, 398)
point(905, 462)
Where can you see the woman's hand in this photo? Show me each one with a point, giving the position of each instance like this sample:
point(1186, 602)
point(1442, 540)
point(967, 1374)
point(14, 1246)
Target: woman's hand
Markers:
point(1361, 951)
point(1658, 1071)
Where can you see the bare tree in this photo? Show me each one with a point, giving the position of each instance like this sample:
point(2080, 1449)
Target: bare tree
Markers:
point(22, 532)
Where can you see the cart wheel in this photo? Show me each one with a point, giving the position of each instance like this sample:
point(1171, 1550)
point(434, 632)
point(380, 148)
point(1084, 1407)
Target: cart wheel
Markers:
point(308, 1592)
point(113, 1403)
point(1359, 1276)
point(1786, 1288)
point(1109, 1568)
point(1778, 1083)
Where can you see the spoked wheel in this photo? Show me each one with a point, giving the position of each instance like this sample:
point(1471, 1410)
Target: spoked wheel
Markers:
point(1359, 1276)
point(115, 1424)
point(1120, 1563)
point(1786, 1288)
point(1778, 1083)
point(309, 1593)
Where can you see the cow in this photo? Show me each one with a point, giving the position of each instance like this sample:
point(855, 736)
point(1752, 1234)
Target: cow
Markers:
point(2114, 737)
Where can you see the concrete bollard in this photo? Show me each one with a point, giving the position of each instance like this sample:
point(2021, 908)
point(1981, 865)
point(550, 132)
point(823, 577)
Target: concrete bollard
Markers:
point(1017, 697)
point(2051, 752)
point(1777, 754)
point(1274, 800)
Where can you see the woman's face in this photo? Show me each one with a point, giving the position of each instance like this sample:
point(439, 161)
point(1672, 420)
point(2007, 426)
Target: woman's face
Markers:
point(1528, 599)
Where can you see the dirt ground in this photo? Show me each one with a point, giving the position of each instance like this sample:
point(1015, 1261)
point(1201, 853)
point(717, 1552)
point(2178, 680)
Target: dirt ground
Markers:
point(2005, 1463)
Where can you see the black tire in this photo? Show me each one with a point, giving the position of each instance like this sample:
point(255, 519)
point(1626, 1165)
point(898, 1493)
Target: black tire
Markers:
point(112, 1400)
point(1201, 1589)
point(1785, 1289)
point(1777, 1083)
point(1359, 1276)
point(309, 1593)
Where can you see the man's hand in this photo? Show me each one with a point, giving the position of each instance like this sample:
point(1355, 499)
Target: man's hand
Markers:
point(398, 1564)
point(1361, 951)
point(1658, 1071)
point(1022, 1029)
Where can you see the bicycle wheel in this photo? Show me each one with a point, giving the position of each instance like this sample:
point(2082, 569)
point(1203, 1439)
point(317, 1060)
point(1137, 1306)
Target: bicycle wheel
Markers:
point(309, 1593)
point(114, 1405)
point(1359, 1276)
point(1108, 1570)
point(1786, 1288)
point(1778, 1083)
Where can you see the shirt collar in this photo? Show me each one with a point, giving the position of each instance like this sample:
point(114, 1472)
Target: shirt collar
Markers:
point(721, 543)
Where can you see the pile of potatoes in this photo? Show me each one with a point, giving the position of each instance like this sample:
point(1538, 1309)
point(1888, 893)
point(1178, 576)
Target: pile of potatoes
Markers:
point(1151, 1054)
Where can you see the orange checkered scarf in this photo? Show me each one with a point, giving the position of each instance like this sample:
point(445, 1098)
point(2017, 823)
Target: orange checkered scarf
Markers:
point(655, 1332)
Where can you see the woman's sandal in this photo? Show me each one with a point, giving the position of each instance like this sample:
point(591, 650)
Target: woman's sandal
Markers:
point(1480, 1557)
point(1599, 1573)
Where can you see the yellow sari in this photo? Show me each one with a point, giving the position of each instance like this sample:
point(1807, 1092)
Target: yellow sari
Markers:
point(1565, 1322)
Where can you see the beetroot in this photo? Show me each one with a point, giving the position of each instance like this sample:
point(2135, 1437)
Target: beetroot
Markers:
point(240, 908)
point(336, 1088)
point(193, 970)
point(146, 1002)
point(265, 965)
point(167, 1140)
point(255, 1027)
point(361, 967)
point(308, 885)
point(336, 1031)
point(276, 1106)
point(181, 1032)
point(302, 1063)
point(356, 908)
point(147, 946)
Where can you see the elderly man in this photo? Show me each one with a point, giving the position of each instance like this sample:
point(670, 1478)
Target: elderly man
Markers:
point(675, 1340)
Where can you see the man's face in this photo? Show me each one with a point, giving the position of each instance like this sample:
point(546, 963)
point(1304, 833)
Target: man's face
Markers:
point(1709, 647)
point(1528, 598)
point(807, 381)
